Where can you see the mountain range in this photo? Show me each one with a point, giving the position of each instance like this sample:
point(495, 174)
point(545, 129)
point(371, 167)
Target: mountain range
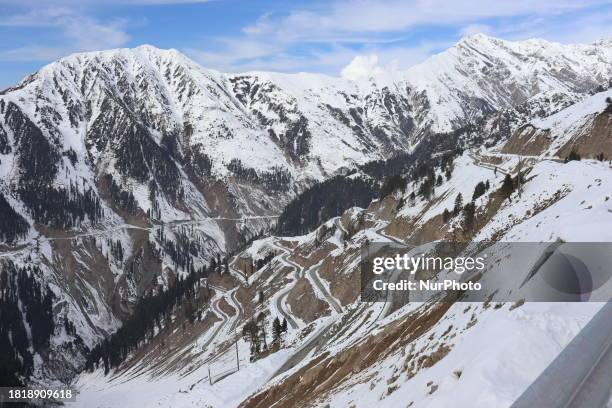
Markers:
point(122, 172)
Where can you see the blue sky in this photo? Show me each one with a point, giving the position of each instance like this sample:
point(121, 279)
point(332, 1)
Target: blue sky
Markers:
point(287, 36)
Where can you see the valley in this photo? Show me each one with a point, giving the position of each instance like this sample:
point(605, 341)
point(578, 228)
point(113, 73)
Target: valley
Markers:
point(196, 237)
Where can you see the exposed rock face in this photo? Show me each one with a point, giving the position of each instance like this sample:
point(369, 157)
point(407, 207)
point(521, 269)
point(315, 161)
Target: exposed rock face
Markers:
point(113, 163)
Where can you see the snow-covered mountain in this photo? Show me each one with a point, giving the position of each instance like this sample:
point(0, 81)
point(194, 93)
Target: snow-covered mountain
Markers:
point(200, 125)
point(342, 351)
point(121, 170)
point(481, 74)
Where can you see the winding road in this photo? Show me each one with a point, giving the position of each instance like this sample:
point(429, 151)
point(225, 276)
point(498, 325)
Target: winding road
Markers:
point(280, 300)
point(220, 313)
point(100, 232)
point(231, 299)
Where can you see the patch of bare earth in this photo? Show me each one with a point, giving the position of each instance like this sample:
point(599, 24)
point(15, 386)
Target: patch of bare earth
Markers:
point(342, 283)
point(325, 372)
point(592, 141)
point(304, 303)
point(226, 308)
point(528, 140)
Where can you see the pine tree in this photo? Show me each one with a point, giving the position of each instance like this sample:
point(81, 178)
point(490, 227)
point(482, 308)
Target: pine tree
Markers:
point(469, 216)
point(425, 190)
point(284, 325)
point(479, 190)
point(458, 204)
point(189, 311)
point(573, 156)
point(392, 183)
point(507, 186)
point(277, 329)
point(261, 320)
point(446, 216)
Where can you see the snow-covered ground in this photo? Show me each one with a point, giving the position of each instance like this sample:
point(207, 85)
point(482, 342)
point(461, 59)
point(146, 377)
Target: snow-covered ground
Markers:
point(305, 125)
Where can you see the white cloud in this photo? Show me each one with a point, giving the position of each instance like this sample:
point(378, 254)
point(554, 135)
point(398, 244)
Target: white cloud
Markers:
point(78, 33)
point(37, 17)
point(87, 34)
point(338, 36)
point(476, 29)
point(578, 29)
point(343, 19)
point(341, 36)
point(32, 53)
point(362, 67)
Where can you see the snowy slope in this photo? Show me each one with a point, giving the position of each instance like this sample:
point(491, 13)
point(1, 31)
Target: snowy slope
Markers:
point(582, 127)
point(214, 157)
point(420, 355)
point(494, 74)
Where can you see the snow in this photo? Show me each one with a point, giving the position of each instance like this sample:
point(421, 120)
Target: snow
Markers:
point(174, 390)
point(577, 217)
point(486, 68)
point(495, 352)
point(463, 180)
point(174, 90)
point(498, 357)
point(573, 120)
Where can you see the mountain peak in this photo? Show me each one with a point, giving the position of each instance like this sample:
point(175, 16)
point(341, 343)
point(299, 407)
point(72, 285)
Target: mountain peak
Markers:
point(476, 37)
point(479, 39)
point(153, 50)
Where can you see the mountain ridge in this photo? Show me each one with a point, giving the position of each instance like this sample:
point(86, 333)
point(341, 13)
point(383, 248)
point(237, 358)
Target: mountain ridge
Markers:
point(132, 168)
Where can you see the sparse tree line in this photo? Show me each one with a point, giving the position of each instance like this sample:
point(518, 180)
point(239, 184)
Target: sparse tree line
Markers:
point(151, 314)
point(508, 186)
point(12, 225)
point(254, 332)
point(276, 179)
point(123, 199)
point(61, 208)
point(252, 267)
point(422, 174)
point(26, 321)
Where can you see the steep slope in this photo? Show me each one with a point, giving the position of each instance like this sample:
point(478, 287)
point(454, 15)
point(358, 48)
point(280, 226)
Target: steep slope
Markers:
point(123, 170)
point(481, 74)
point(583, 128)
point(342, 351)
point(392, 353)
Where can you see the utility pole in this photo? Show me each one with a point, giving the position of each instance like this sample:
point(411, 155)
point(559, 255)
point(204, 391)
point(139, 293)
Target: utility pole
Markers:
point(519, 176)
point(236, 342)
